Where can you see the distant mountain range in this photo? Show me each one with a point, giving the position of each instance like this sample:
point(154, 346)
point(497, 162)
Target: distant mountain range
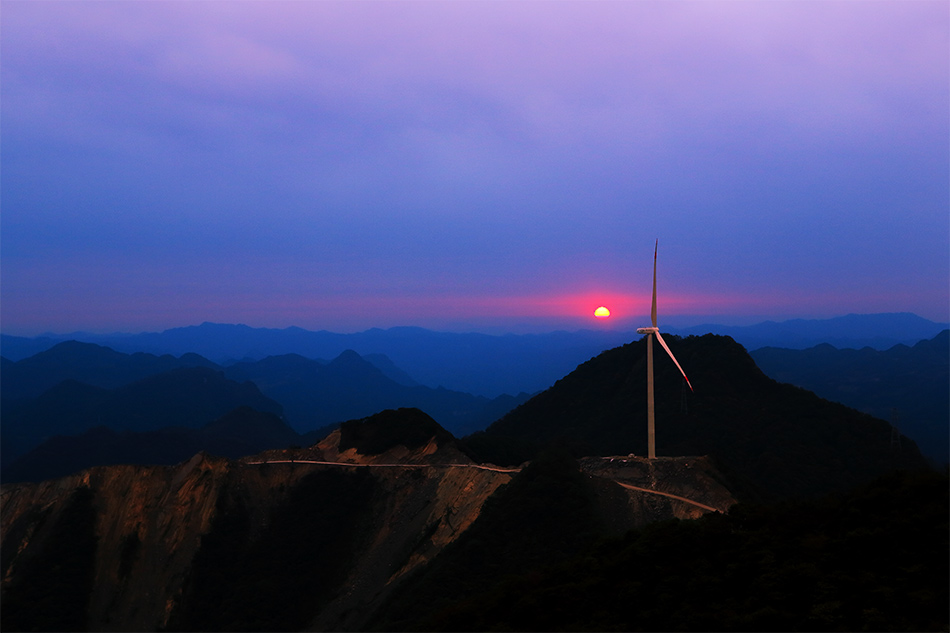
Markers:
point(908, 386)
point(65, 399)
point(241, 431)
point(480, 364)
point(188, 397)
point(853, 331)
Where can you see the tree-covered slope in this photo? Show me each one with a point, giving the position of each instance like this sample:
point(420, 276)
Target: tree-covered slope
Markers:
point(773, 440)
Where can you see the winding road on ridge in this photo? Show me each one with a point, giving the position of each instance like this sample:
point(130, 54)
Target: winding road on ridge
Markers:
point(496, 469)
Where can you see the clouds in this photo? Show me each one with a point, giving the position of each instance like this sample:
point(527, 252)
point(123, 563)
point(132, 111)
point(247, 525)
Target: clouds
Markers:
point(466, 149)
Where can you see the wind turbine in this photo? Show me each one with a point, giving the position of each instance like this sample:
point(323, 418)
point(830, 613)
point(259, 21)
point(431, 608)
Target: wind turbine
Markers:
point(650, 331)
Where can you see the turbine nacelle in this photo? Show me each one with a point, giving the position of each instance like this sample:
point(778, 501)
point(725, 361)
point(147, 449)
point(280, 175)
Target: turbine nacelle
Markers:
point(659, 337)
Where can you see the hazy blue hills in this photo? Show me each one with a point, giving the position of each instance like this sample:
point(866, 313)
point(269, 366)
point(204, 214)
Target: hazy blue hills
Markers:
point(88, 363)
point(480, 364)
point(185, 397)
point(82, 386)
point(773, 440)
point(878, 331)
point(909, 386)
point(316, 394)
point(69, 384)
point(242, 431)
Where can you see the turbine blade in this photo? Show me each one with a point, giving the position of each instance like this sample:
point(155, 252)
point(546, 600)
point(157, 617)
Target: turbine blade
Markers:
point(663, 343)
point(653, 309)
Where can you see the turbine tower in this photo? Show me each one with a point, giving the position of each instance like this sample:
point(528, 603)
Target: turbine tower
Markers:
point(650, 331)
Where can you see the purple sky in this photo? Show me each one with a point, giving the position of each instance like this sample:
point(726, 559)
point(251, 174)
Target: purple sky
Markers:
point(476, 165)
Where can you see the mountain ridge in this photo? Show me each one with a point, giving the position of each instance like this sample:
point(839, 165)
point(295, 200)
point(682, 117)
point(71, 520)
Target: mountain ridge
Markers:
point(908, 386)
point(78, 386)
point(772, 440)
point(217, 544)
point(483, 364)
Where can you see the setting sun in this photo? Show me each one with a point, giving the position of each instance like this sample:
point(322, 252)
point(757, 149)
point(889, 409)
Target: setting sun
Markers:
point(601, 312)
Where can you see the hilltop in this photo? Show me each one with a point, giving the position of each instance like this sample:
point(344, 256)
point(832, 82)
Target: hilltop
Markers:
point(773, 440)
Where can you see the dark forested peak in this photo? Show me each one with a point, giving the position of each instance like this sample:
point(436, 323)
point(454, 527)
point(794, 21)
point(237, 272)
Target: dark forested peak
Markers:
point(254, 427)
point(275, 370)
point(381, 432)
point(773, 439)
point(198, 384)
point(72, 355)
point(191, 359)
point(288, 360)
point(348, 358)
point(349, 364)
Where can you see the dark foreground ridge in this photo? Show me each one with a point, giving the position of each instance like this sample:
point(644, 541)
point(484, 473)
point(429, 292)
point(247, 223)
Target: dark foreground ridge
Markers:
point(875, 559)
point(313, 537)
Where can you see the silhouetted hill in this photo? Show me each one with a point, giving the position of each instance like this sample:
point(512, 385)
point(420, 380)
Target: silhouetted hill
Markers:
point(87, 363)
point(773, 440)
point(316, 394)
point(240, 432)
point(906, 385)
point(188, 397)
point(379, 433)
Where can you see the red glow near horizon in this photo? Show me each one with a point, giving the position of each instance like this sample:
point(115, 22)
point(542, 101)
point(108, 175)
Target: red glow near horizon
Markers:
point(349, 313)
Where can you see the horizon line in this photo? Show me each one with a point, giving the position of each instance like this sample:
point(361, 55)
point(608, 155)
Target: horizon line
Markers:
point(673, 322)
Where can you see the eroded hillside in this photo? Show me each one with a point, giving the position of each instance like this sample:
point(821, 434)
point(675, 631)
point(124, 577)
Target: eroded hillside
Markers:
point(312, 538)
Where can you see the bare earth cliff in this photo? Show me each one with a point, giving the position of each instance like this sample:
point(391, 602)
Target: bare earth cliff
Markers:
point(352, 516)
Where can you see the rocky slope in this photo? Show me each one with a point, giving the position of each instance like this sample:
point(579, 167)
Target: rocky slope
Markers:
point(280, 540)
